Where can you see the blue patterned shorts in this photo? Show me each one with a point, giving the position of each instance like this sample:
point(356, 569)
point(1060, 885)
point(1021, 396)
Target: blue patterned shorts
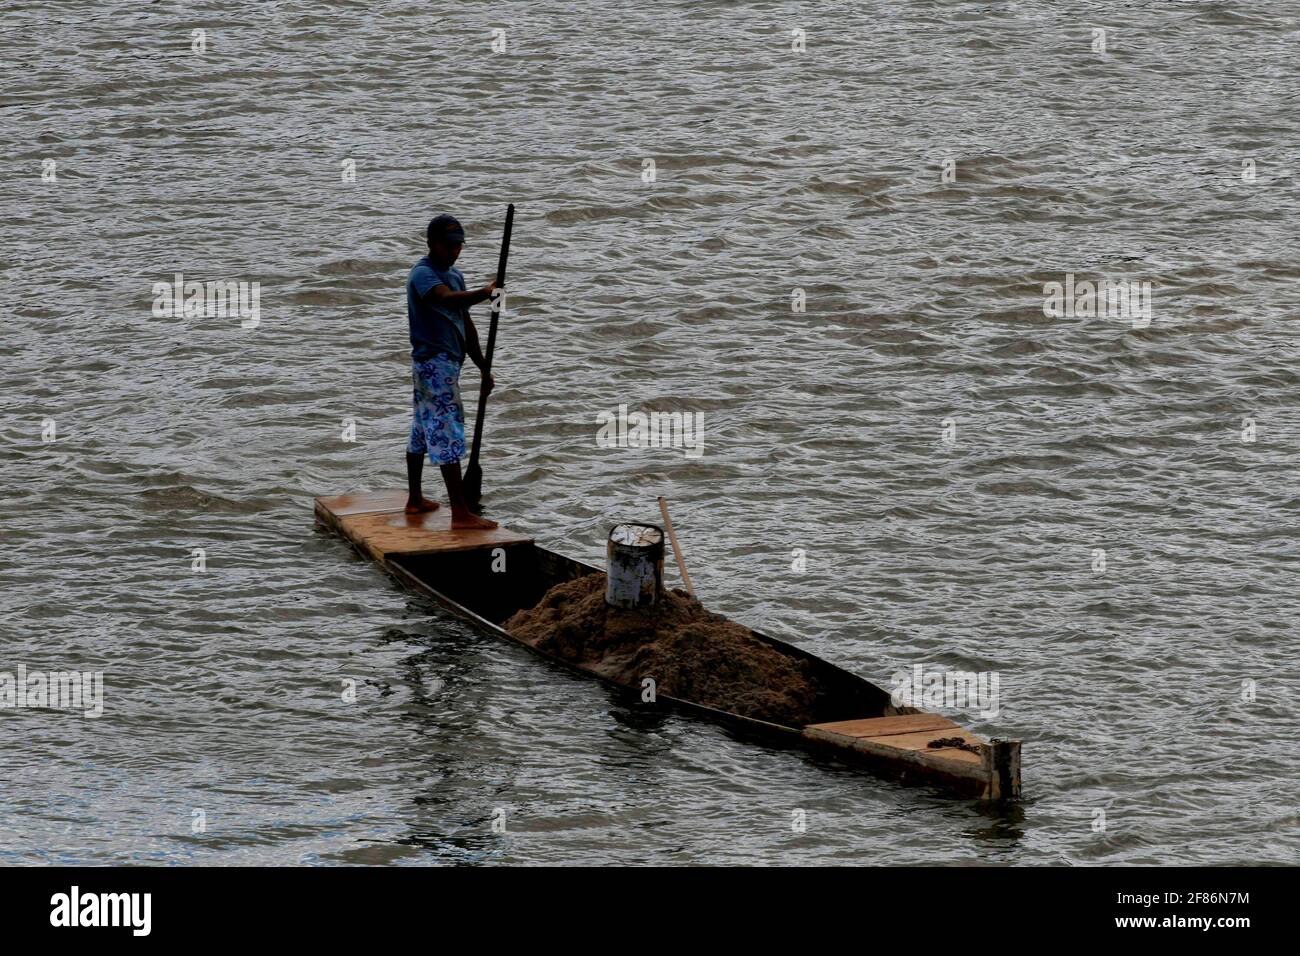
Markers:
point(438, 418)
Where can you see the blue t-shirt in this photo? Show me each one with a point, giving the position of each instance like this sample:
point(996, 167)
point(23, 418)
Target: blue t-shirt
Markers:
point(434, 327)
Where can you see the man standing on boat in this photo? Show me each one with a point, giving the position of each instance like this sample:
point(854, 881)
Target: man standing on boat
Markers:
point(442, 334)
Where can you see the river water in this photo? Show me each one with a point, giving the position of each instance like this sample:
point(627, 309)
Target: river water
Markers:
point(952, 461)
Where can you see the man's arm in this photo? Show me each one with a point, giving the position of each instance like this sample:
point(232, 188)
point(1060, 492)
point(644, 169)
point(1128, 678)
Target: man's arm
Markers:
point(462, 300)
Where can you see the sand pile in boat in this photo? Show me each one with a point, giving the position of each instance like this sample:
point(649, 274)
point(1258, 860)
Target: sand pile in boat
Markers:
point(691, 653)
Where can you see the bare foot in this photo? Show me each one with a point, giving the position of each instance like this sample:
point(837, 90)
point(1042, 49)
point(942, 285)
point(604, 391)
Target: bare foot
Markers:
point(421, 506)
point(464, 521)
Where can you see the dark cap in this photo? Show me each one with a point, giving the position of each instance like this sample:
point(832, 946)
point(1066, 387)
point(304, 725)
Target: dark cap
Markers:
point(445, 227)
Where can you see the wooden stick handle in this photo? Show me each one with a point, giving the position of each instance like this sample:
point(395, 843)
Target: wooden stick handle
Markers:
point(492, 334)
point(677, 550)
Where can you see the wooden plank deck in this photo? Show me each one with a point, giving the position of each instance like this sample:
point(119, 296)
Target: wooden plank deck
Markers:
point(885, 726)
point(375, 522)
point(907, 732)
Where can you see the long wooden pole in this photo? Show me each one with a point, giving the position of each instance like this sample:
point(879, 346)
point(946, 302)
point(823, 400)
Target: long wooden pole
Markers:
point(677, 549)
point(473, 480)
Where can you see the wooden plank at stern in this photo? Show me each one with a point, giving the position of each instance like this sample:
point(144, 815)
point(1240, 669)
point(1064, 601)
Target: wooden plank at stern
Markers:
point(889, 726)
point(377, 523)
point(935, 746)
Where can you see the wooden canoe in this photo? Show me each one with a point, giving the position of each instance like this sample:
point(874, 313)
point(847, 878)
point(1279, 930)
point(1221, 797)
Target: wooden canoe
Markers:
point(856, 720)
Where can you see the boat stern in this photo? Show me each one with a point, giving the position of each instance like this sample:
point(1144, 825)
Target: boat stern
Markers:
point(929, 747)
